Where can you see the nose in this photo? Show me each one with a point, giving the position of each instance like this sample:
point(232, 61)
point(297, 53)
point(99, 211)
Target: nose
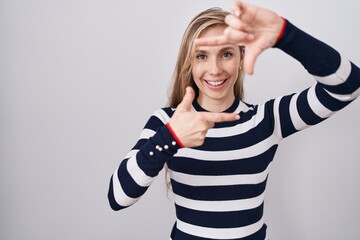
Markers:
point(215, 67)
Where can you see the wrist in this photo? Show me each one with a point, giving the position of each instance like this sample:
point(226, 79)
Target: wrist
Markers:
point(282, 30)
point(174, 135)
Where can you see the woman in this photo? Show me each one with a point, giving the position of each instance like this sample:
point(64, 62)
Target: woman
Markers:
point(218, 149)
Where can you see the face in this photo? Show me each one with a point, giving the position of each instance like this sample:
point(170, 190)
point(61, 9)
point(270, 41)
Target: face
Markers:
point(215, 70)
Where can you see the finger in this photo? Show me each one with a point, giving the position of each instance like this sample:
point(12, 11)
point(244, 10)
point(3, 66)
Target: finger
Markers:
point(238, 37)
point(236, 23)
point(247, 12)
point(236, 10)
point(212, 41)
point(186, 103)
point(209, 124)
point(249, 61)
point(221, 117)
point(233, 22)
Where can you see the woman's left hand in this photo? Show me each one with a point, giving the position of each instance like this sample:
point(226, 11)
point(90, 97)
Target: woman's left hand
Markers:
point(256, 28)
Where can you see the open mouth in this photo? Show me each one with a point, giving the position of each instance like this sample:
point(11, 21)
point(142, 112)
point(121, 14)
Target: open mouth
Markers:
point(215, 84)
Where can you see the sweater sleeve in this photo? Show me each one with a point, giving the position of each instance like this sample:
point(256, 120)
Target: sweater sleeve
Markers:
point(337, 83)
point(143, 163)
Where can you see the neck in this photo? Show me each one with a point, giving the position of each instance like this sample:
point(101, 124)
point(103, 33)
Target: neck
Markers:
point(214, 105)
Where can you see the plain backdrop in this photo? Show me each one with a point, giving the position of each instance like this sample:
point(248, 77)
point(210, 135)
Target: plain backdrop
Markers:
point(78, 81)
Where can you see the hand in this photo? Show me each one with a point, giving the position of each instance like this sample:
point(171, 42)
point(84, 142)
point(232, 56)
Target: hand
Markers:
point(256, 28)
point(191, 127)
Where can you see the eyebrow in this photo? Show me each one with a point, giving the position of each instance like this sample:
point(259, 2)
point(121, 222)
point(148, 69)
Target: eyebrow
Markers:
point(221, 50)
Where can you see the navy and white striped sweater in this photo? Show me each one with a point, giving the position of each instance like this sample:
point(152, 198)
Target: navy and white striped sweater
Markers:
point(219, 187)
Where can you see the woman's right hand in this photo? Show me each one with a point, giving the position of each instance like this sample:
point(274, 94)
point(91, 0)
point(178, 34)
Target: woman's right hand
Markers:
point(191, 127)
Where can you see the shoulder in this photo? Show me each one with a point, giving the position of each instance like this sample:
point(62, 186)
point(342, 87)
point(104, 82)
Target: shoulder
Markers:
point(163, 114)
point(159, 118)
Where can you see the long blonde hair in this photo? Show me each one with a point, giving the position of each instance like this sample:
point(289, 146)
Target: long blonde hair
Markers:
point(182, 76)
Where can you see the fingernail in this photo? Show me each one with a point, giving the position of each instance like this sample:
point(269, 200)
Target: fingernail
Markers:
point(237, 117)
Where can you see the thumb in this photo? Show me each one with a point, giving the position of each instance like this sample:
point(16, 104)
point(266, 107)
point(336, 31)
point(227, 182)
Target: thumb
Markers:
point(186, 103)
point(250, 59)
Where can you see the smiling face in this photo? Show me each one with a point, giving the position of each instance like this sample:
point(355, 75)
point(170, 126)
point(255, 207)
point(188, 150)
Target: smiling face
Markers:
point(215, 70)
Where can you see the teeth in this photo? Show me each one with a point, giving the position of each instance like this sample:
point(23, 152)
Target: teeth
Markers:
point(217, 83)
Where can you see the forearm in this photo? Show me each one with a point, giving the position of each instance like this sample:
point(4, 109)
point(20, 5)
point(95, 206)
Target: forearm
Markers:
point(317, 57)
point(337, 75)
point(135, 174)
point(338, 82)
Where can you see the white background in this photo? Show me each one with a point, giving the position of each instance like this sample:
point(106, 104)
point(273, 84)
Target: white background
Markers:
point(79, 79)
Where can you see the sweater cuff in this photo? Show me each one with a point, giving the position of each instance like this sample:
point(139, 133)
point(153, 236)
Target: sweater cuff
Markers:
point(157, 151)
point(174, 135)
point(281, 34)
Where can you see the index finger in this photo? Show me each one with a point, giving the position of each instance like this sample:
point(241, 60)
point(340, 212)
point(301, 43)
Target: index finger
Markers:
point(221, 117)
point(212, 41)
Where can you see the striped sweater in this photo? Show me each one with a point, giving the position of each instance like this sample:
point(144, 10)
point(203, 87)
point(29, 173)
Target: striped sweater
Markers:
point(219, 187)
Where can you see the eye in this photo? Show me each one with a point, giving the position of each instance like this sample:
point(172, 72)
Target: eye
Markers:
point(201, 57)
point(227, 54)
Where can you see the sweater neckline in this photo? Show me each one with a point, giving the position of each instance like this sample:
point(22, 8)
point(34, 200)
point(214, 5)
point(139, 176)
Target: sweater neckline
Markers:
point(231, 109)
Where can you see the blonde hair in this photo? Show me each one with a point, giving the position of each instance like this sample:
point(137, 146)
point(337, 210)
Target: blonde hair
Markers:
point(182, 76)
